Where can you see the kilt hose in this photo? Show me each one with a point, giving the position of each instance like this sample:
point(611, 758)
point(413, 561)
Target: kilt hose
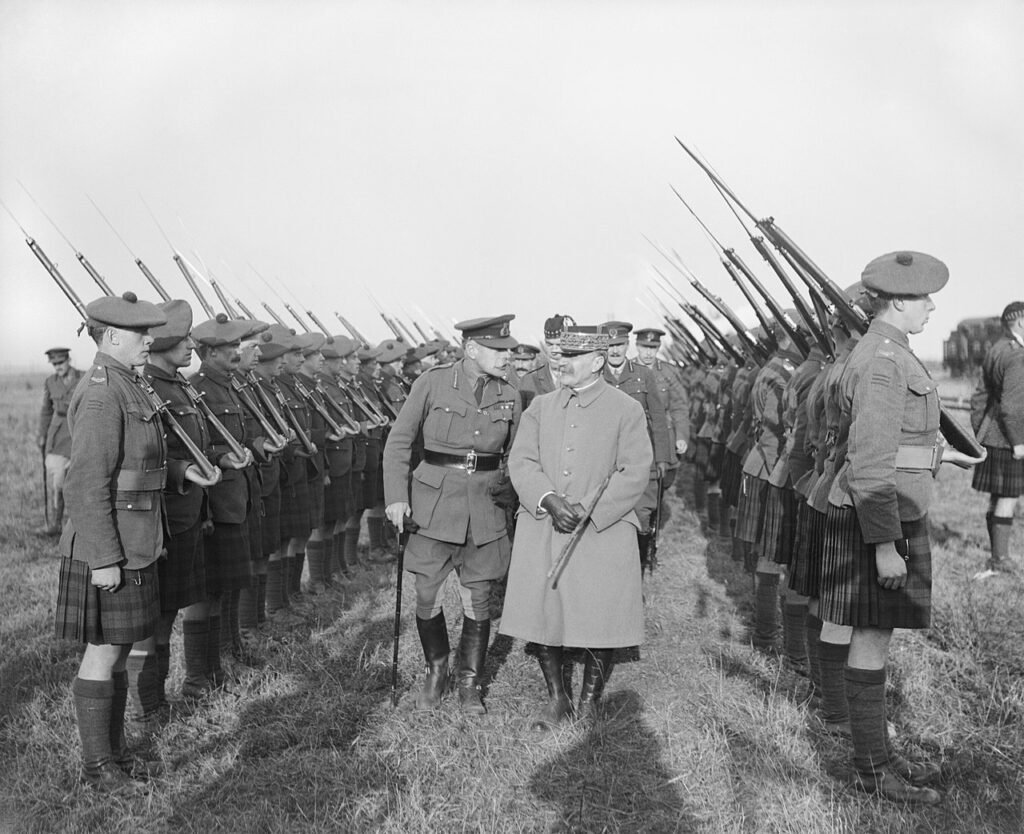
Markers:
point(86, 614)
point(750, 511)
point(805, 569)
point(850, 593)
point(228, 566)
point(338, 504)
point(315, 488)
point(732, 473)
point(183, 573)
point(295, 510)
point(999, 474)
point(779, 530)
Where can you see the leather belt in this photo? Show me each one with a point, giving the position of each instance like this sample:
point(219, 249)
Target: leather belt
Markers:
point(473, 462)
point(141, 480)
point(917, 457)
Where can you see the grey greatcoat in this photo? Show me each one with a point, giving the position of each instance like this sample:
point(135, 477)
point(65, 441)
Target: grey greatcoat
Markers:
point(567, 443)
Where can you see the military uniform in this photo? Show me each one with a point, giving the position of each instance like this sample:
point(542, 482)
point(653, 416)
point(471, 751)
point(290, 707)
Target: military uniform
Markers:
point(53, 436)
point(466, 431)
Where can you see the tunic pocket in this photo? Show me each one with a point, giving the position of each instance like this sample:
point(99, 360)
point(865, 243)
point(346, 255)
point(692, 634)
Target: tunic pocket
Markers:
point(441, 421)
point(427, 481)
point(921, 411)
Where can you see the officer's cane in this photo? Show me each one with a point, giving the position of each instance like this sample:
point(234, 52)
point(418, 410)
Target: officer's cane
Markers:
point(408, 526)
point(46, 492)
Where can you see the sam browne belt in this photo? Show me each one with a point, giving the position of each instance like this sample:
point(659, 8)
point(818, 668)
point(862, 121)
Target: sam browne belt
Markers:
point(473, 462)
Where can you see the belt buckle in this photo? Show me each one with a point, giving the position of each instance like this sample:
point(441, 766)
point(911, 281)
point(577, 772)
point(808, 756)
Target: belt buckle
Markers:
point(471, 463)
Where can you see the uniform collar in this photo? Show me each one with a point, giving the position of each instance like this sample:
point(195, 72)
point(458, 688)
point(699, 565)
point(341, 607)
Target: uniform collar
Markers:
point(885, 329)
point(215, 375)
point(105, 360)
point(159, 373)
point(584, 396)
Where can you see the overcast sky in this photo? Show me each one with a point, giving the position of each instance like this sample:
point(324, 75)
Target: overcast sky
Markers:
point(477, 158)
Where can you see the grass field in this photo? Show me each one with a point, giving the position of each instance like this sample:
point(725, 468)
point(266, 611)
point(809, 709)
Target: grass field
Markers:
point(700, 733)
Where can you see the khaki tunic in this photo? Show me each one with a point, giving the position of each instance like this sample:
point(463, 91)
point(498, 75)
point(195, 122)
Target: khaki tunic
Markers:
point(53, 417)
point(567, 443)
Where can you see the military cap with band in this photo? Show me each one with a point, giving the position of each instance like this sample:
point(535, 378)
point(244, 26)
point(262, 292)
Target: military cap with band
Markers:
point(524, 351)
point(57, 353)
point(490, 332)
point(391, 350)
point(125, 312)
point(618, 332)
point(310, 343)
point(179, 322)
point(221, 330)
point(583, 338)
point(905, 273)
point(649, 337)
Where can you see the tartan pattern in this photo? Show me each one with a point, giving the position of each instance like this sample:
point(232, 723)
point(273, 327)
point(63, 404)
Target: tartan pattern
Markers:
point(88, 615)
point(339, 502)
point(228, 567)
point(183, 573)
point(750, 512)
point(732, 470)
point(270, 522)
point(779, 530)
point(850, 593)
point(999, 473)
point(805, 569)
point(295, 510)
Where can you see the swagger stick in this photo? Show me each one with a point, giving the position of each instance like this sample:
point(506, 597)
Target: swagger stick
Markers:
point(563, 558)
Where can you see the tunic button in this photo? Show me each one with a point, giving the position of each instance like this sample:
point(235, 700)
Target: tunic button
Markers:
point(129, 506)
point(568, 448)
point(479, 411)
point(477, 431)
point(572, 425)
point(565, 471)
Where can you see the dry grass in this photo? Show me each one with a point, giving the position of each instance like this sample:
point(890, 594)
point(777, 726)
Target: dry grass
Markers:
point(701, 733)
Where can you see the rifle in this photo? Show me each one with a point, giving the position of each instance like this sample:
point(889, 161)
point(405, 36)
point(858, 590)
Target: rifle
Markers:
point(856, 319)
point(321, 409)
point(176, 256)
point(283, 426)
point(351, 329)
point(652, 542)
point(574, 538)
point(244, 395)
point(164, 295)
point(308, 446)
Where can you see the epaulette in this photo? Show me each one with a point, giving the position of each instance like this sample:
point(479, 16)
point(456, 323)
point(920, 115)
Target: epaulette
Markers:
point(98, 376)
point(884, 350)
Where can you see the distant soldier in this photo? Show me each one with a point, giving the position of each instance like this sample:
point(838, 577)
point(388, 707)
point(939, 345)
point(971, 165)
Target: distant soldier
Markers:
point(877, 564)
point(543, 379)
point(671, 390)
point(466, 414)
point(570, 440)
point(524, 358)
point(998, 420)
point(108, 594)
point(53, 436)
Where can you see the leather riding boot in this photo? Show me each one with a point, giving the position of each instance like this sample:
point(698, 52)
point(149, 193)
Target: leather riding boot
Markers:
point(93, 704)
point(434, 639)
point(643, 541)
point(559, 706)
point(472, 655)
point(596, 669)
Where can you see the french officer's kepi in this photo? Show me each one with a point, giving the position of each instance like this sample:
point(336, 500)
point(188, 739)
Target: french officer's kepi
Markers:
point(583, 338)
point(618, 331)
point(221, 330)
point(179, 322)
point(905, 273)
point(490, 332)
point(649, 337)
point(124, 311)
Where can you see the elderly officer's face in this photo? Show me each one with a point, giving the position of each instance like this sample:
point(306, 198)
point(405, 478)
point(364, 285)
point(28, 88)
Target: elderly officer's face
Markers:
point(492, 362)
point(617, 354)
point(646, 355)
point(577, 370)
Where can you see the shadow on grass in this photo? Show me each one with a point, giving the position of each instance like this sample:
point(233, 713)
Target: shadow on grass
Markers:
point(613, 778)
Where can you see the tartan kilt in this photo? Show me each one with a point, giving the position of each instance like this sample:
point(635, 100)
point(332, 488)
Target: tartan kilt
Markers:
point(254, 523)
point(228, 567)
point(183, 573)
point(295, 510)
point(850, 593)
point(338, 501)
point(88, 615)
point(750, 511)
point(999, 473)
point(701, 452)
point(805, 569)
point(316, 502)
point(732, 472)
point(373, 479)
point(714, 468)
point(779, 528)
point(270, 522)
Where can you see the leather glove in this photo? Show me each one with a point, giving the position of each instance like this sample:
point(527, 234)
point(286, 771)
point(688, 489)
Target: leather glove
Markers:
point(503, 494)
point(564, 516)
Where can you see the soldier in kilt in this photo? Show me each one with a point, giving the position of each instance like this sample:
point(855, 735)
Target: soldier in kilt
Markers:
point(877, 563)
point(998, 420)
point(109, 596)
point(737, 445)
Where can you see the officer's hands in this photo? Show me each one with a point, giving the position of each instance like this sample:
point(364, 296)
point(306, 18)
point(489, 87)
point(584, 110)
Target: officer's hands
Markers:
point(951, 455)
point(107, 579)
point(564, 516)
point(662, 469)
point(1018, 451)
point(195, 475)
point(397, 514)
point(892, 570)
point(681, 447)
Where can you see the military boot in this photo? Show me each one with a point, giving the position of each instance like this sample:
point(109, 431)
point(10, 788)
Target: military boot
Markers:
point(596, 669)
point(472, 655)
point(434, 639)
point(559, 706)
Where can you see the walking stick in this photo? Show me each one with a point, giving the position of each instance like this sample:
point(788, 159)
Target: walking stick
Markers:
point(403, 537)
point(563, 558)
point(46, 491)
